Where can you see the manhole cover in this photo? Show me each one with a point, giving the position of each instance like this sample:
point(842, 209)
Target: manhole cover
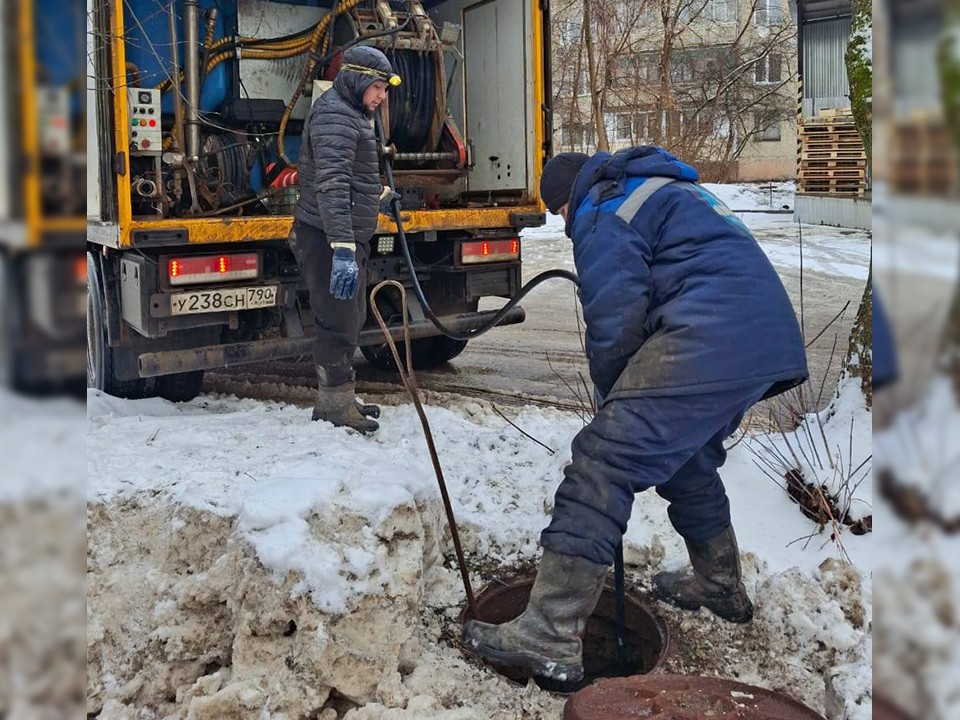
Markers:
point(883, 709)
point(646, 635)
point(681, 697)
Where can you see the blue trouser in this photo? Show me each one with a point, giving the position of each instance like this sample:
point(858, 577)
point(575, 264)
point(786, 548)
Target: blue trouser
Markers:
point(672, 443)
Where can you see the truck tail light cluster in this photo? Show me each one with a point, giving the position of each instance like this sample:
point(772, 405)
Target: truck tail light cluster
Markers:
point(488, 251)
point(192, 269)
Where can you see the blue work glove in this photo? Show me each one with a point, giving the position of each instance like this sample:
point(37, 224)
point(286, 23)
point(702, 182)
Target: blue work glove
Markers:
point(386, 200)
point(345, 275)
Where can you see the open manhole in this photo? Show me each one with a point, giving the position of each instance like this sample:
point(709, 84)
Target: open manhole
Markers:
point(646, 636)
point(681, 697)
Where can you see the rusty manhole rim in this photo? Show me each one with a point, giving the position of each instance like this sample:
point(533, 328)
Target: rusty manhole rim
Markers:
point(600, 699)
point(512, 581)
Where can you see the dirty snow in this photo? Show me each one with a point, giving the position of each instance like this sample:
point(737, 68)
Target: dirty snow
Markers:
point(268, 466)
point(251, 479)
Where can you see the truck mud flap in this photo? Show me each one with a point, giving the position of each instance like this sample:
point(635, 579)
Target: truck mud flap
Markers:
point(167, 362)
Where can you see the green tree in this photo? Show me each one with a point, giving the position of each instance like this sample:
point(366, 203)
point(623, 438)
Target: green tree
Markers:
point(859, 60)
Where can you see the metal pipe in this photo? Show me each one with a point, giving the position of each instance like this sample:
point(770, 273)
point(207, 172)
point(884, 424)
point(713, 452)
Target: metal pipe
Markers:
point(175, 78)
point(191, 73)
point(166, 362)
point(423, 157)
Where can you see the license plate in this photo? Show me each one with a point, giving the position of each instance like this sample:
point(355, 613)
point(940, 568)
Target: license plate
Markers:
point(207, 301)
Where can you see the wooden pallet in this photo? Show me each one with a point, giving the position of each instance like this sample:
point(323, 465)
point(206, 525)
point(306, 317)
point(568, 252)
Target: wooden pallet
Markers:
point(923, 158)
point(831, 156)
point(844, 154)
point(829, 164)
point(832, 190)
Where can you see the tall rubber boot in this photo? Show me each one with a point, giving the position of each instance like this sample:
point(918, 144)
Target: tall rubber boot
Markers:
point(715, 583)
point(546, 637)
point(368, 410)
point(337, 404)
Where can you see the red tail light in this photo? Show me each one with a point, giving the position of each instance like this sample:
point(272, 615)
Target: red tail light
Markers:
point(212, 268)
point(484, 251)
point(80, 270)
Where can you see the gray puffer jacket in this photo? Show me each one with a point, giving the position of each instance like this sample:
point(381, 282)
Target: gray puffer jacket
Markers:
point(338, 164)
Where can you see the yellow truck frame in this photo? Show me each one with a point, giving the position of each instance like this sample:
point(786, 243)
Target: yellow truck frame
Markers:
point(125, 361)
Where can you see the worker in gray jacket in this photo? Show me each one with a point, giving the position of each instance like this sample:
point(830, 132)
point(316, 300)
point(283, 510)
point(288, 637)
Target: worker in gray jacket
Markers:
point(340, 197)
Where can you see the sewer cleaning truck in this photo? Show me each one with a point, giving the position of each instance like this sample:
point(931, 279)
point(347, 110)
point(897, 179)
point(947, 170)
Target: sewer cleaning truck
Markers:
point(42, 175)
point(198, 109)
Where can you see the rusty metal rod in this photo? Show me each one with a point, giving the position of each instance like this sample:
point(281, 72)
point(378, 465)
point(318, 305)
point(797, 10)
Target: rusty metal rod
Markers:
point(619, 587)
point(410, 383)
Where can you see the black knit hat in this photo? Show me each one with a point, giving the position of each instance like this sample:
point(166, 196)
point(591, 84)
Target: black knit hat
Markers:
point(558, 177)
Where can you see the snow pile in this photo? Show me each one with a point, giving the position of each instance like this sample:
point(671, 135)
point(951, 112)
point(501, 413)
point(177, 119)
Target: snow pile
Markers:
point(41, 557)
point(246, 562)
point(755, 196)
point(917, 658)
point(919, 448)
point(236, 566)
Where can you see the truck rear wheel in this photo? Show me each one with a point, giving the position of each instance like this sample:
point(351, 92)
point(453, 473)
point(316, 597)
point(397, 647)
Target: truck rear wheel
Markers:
point(99, 353)
point(10, 376)
point(180, 387)
point(426, 353)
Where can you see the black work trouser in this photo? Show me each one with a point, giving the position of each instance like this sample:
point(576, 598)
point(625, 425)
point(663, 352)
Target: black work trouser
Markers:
point(338, 322)
point(671, 443)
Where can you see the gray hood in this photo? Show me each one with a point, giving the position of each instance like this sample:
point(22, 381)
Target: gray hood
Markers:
point(351, 85)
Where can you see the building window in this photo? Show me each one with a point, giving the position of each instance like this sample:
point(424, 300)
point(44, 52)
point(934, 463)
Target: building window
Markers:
point(681, 69)
point(769, 69)
point(720, 10)
point(769, 130)
point(577, 135)
point(643, 124)
point(619, 127)
point(569, 32)
point(768, 13)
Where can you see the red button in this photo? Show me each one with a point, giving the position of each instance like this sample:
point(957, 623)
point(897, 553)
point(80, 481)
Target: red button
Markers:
point(153, 123)
point(144, 143)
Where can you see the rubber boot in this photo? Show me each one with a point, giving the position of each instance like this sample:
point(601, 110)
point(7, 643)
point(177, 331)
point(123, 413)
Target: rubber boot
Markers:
point(715, 583)
point(368, 410)
point(338, 405)
point(546, 637)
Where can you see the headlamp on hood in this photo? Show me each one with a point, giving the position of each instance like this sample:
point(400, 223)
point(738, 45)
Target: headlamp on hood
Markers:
point(391, 79)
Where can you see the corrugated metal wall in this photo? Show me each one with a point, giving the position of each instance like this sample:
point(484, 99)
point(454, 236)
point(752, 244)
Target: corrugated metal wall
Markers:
point(915, 74)
point(825, 83)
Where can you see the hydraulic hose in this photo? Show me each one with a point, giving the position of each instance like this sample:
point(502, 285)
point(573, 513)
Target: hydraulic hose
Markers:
point(418, 290)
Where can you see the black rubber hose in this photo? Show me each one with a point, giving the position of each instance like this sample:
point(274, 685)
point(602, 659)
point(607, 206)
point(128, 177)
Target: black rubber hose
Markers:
point(427, 310)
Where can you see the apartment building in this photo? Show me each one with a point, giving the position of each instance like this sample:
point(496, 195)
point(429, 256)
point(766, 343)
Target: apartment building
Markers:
point(714, 81)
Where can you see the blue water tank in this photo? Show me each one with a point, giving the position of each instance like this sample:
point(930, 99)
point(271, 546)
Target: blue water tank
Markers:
point(147, 40)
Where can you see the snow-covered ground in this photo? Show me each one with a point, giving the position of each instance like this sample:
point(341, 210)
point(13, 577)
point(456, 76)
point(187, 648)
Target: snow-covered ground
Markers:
point(42, 563)
point(917, 573)
point(268, 550)
point(267, 469)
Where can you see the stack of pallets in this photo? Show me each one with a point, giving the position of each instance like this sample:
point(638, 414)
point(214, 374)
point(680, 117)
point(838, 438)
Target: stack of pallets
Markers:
point(923, 161)
point(832, 159)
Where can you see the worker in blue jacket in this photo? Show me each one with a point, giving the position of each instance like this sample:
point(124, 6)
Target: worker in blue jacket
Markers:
point(884, 360)
point(687, 326)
